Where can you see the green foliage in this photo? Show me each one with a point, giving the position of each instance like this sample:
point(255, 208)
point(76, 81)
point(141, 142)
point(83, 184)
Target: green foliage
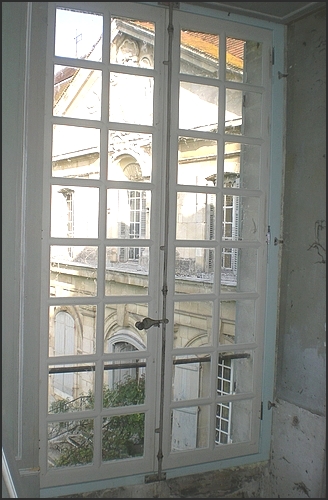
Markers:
point(127, 392)
point(122, 435)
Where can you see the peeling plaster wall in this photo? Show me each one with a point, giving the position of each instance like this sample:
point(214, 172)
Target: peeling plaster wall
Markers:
point(238, 482)
point(297, 457)
point(301, 355)
point(299, 423)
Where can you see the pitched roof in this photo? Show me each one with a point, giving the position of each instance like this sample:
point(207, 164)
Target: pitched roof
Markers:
point(204, 43)
point(207, 44)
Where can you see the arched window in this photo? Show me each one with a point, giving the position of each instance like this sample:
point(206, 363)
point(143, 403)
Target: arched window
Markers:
point(124, 342)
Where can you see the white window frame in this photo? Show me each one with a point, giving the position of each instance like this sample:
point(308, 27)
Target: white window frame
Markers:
point(273, 221)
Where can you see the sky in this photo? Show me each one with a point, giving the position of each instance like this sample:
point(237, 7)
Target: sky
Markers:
point(76, 32)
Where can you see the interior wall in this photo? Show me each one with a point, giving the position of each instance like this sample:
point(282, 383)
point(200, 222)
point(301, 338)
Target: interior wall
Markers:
point(22, 161)
point(299, 418)
point(13, 65)
point(13, 70)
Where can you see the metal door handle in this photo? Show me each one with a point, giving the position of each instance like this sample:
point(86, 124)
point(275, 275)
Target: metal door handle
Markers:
point(148, 322)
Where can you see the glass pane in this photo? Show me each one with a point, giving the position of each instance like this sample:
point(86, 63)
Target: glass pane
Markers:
point(199, 53)
point(195, 216)
point(75, 152)
point(198, 107)
point(72, 329)
point(244, 61)
point(123, 436)
point(70, 81)
point(127, 270)
point(70, 443)
point(197, 161)
point(191, 377)
point(74, 212)
point(117, 318)
point(233, 422)
point(235, 373)
point(243, 113)
point(239, 269)
point(237, 322)
point(194, 270)
point(128, 215)
point(71, 387)
point(130, 156)
point(192, 324)
point(233, 113)
point(78, 34)
point(190, 428)
point(73, 271)
point(124, 382)
point(242, 165)
point(135, 48)
point(240, 218)
point(131, 99)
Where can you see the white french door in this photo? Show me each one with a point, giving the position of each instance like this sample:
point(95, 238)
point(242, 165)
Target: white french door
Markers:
point(157, 128)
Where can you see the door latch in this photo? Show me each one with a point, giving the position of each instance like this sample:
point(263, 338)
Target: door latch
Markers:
point(148, 322)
